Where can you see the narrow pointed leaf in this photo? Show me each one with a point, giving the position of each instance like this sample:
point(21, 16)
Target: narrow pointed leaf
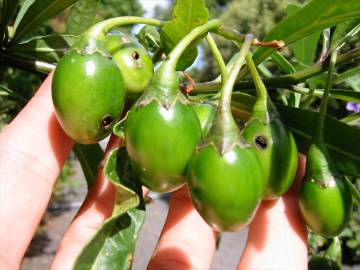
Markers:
point(355, 193)
point(315, 16)
point(347, 95)
point(35, 12)
point(89, 157)
point(341, 140)
point(7, 11)
point(4, 91)
point(284, 65)
point(344, 31)
point(45, 48)
point(305, 48)
point(348, 74)
point(352, 119)
point(113, 245)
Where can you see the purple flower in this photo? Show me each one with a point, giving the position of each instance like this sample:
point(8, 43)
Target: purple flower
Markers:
point(353, 107)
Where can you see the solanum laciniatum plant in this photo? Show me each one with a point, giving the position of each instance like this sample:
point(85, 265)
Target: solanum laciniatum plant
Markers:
point(234, 140)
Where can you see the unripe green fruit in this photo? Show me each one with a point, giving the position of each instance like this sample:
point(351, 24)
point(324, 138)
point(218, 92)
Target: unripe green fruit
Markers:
point(160, 142)
point(326, 210)
point(226, 189)
point(133, 61)
point(88, 94)
point(276, 150)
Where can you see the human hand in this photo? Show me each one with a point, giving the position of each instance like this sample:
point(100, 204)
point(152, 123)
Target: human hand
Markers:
point(32, 152)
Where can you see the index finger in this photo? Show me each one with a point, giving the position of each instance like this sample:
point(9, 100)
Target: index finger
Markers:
point(32, 152)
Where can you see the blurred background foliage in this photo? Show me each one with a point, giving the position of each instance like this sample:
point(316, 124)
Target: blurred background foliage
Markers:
point(256, 16)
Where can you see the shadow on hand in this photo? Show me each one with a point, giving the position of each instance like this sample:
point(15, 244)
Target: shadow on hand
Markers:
point(170, 259)
point(287, 205)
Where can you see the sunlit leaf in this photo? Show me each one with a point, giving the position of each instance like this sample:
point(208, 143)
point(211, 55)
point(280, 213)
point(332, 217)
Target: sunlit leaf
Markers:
point(89, 156)
point(81, 16)
point(316, 15)
point(341, 140)
point(35, 12)
point(45, 48)
point(305, 48)
point(187, 14)
point(113, 245)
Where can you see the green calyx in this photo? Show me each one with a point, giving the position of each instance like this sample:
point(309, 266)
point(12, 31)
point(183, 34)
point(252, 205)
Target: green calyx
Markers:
point(273, 142)
point(94, 39)
point(224, 133)
point(164, 87)
point(326, 210)
point(325, 200)
point(263, 108)
point(319, 167)
point(163, 121)
point(224, 176)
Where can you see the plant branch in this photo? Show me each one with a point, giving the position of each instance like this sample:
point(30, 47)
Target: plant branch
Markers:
point(234, 35)
point(286, 80)
point(25, 63)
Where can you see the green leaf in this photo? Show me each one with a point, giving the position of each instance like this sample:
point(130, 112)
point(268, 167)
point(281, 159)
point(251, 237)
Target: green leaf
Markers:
point(315, 16)
point(149, 37)
point(113, 245)
point(305, 48)
point(4, 91)
point(187, 14)
point(355, 193)
point(347, 74)
point(89, 156)
point(352, 119)
point(45, 48)
point(81, 16)
point(7, 10)
point(343, 32)
point(347, 95)
point(117, 170)
point(284, 65)
point(241, 105)
point(341, 140)
point(35, 12)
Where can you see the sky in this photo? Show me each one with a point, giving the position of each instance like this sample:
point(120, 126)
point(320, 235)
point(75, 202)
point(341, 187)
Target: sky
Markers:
point(149, 5)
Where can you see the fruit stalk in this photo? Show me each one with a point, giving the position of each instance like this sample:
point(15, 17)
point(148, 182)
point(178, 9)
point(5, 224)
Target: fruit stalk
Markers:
point(219, 60)
point(225, 98)
point(100, 29)
point(319, 131)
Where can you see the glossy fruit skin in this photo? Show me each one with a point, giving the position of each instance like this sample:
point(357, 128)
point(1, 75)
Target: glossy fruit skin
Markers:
point(226, 190)
point(88, 94)
point(160, 141)
point(278, 159)
point(133, 60)
point(326, 210)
